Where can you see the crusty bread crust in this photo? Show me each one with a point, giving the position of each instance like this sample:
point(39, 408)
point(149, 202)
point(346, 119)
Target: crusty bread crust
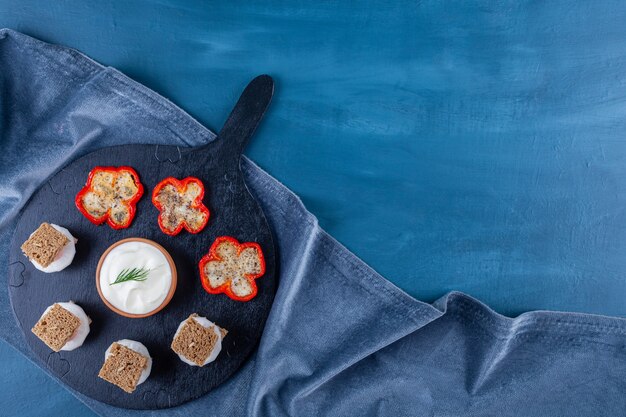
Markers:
point(123, 367)
point(44, 245)
point(195, 342)
point(56, 327)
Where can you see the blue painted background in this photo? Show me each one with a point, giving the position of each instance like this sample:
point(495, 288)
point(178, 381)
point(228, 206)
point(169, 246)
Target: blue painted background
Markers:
point(476, 146)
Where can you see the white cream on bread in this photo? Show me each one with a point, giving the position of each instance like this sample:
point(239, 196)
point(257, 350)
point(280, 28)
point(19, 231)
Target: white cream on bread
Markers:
point(80, 334)
point(139, 348)
point(206, 323)
point(65, 256)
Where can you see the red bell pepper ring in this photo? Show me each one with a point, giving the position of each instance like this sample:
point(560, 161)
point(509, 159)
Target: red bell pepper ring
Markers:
point(110, 194)
point(185, 195)
point(231, 268)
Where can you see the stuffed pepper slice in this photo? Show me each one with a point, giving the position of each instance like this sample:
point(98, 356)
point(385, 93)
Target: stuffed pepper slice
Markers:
point(180, 205)
point(110, 194)
point(231, 268)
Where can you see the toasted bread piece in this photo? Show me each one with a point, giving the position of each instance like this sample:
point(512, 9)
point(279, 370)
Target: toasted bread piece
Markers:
point(196, 342)
point(56, 327)
point(123, 367)
point(223, 332)
point(44, 244)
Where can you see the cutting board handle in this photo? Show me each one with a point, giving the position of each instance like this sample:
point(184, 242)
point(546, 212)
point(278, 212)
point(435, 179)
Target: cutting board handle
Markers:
point(245, 117)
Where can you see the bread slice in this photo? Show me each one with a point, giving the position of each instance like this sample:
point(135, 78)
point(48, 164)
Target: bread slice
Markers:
point(195, 342)
point(44, 245)
point(56, 327)
point(123, 367)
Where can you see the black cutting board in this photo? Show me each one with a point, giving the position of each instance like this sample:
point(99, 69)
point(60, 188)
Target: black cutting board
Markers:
point(234, 212)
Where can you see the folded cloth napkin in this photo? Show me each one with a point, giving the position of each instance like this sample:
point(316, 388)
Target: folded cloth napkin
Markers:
point(340, 339)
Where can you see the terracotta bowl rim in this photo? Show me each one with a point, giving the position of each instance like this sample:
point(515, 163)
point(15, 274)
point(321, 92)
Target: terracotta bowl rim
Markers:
point(170, 293)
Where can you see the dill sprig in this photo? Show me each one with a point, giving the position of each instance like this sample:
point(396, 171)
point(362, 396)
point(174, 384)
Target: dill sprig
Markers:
point(135, 274)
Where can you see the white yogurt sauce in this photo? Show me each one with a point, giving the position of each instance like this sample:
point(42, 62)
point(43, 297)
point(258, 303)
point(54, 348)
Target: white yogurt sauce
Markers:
point(80, 334)
point(139, 348)
point(136, 297)
point(65, 256)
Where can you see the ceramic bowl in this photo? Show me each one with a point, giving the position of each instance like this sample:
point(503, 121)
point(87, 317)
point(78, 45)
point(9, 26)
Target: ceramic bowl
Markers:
point(170, 293)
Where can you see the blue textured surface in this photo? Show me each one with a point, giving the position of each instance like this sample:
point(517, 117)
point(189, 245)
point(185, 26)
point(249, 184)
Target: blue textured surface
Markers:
point(455, 145)
point(28, 391)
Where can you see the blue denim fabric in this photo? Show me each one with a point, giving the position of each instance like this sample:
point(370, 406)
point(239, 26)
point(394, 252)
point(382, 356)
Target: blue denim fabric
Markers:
point(340, 340)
